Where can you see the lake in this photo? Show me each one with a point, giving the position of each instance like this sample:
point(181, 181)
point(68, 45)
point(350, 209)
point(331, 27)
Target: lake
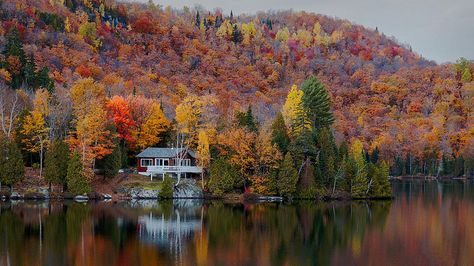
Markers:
point(428, 223)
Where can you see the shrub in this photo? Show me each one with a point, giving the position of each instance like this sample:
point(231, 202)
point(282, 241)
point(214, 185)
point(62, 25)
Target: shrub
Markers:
point(166, 191)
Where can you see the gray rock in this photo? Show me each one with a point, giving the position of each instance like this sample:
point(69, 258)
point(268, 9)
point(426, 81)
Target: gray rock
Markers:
point(15, 195)
point(44, 191)
point(140, 193)
point(81, 198)
point(106, 196)
point(187, 188)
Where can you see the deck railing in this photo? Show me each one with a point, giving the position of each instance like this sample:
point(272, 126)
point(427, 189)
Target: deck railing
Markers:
point(173, 169)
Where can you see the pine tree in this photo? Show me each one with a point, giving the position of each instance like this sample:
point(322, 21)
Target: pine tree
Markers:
point(359, 183)
point(374, 156)
point(14, 48)
point(380, 185)
point(288, 178)
point(280, 133)
point(327, 157)
point(237, 36)
point(198, 20)
point(112, 162)
point(223, 177)
point(317, 103)
point(29, 72)
point(247, 120)
point(12, 168)
point(166, 191)
point(44, 81)
point(56, 163)
point(76, 179)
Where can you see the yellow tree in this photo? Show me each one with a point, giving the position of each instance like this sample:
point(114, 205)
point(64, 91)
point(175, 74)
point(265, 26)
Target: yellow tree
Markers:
point(225, 30)
point(249, 31)
point(91, 137)
point(294, 113)
point(34, 127)
point(154, 124)
point(36, 135)
point(189, 119)
point(283, 34)
point(203, 154)
point(240, 146)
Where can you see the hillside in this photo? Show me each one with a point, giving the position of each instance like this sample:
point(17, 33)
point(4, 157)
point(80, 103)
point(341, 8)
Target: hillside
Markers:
point(382, 92)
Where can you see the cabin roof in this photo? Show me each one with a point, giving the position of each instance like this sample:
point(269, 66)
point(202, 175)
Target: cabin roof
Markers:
point(163, 152)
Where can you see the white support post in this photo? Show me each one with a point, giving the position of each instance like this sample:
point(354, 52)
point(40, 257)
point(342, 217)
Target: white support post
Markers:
point(151, 176)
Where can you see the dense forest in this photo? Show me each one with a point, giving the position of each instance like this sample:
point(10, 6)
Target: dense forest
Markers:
point(292, 99)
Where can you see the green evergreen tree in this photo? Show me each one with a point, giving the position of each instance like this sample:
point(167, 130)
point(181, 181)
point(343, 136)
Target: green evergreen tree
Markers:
point(223, 177)
point(317, 103)
point(167, 188)
point(56, 163)
point(327, 157)
point(359, 182)
point(379, 175)
point(44, 81)
point(349, 172)
point(374, 156)
point(280, 134)
point(14, 47)
point(288, 178)
point(12, 167)
point(237, 36)
point(198, 19)
point(29, 72)
point(76, 179)
point(247, 120)
point(112, 162)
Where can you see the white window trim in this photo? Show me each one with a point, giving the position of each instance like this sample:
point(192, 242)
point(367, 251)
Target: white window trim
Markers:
point(162, 160)
point(142, 160)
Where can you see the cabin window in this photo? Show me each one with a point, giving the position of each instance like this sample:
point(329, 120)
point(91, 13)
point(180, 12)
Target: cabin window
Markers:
point(146, 162)
point(186, 162)
point(162, 162)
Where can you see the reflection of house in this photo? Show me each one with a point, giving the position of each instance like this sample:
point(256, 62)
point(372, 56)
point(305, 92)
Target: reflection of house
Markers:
point(160, 161)
point(172, 233)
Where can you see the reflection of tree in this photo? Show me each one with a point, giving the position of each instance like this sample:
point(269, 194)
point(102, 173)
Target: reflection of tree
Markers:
point(279, 234)
point(199, 234)
point(12, 232)
point(76, 213)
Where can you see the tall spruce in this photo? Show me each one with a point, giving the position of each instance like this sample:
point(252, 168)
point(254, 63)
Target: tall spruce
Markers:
point(317, 103)
point(327, 157)
point(288, 178)
point(76, 179)
point(112, 162)
point(237, 36)
point(223, 177)
point(167, 188)
point(280, 133)
point(247, 120)
point(359, 182)
point(56, 163)
point(12, 168)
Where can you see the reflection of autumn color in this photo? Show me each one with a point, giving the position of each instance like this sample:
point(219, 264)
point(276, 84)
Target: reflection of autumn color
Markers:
point(427, 224)
point(418, 233)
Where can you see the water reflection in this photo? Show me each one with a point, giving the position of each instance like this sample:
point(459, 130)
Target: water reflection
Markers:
point(428, 223)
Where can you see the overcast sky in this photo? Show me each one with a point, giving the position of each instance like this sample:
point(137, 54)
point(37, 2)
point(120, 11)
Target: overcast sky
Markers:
point(441, 30)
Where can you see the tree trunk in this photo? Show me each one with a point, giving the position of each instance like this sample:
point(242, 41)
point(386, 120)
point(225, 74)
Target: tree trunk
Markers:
point(41, 160)
point(50, 188)
point(202, 179)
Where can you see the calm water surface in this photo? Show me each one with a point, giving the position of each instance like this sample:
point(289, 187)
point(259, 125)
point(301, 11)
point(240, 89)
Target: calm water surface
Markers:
point(429, 223)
